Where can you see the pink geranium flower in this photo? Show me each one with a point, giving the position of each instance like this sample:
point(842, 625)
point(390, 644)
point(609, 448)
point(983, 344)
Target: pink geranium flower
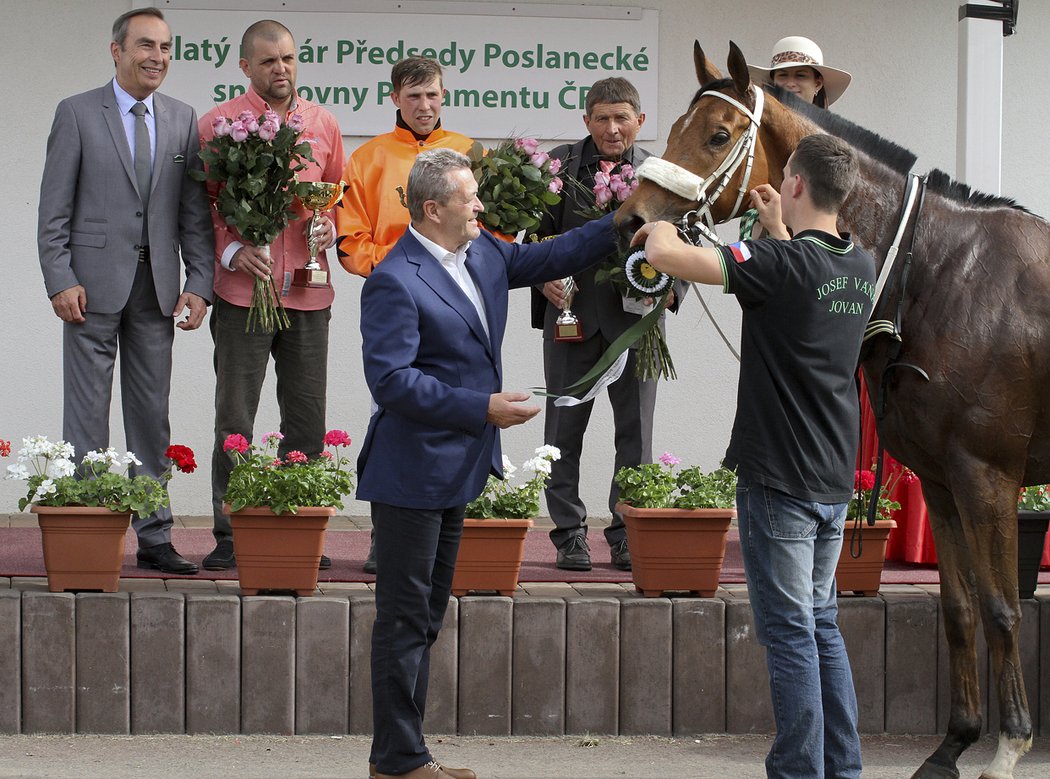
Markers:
point(235, 443)
point(337, 438)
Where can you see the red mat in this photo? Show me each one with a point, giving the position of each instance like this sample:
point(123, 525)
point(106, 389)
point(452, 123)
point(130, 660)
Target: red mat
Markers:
point(20, 555)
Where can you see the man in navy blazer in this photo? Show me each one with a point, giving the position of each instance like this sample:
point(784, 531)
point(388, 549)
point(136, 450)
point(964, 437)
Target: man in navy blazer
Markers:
point(433, 315)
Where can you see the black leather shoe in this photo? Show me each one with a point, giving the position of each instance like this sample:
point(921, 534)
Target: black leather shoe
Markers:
point(325, 563)
point(621, 557)
point(163, 557)
point(370, 561)
point(221, 557)
point(574, 555)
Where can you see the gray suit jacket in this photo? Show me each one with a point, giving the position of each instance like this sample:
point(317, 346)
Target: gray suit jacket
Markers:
point(90, 218)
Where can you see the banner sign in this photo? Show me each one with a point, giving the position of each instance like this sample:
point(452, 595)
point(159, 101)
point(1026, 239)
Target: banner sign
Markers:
point(509, 70)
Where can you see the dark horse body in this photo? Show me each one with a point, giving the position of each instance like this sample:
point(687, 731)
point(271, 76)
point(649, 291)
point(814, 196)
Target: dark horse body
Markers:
point(975, 316)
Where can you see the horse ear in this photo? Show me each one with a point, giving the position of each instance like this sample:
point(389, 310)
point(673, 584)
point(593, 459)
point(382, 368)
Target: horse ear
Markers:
point(738, 69)
point(705, 71)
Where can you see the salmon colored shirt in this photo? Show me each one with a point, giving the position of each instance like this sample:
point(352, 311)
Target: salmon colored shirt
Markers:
point(371, 218)
point(289, 251)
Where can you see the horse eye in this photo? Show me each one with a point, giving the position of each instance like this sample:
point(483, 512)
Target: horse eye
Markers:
point(721, 138)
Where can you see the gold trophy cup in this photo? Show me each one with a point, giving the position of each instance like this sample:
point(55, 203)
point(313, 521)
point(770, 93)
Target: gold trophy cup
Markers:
point(567, 326)
point(318, 196)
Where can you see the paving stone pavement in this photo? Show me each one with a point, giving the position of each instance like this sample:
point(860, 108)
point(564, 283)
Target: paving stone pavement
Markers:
point(335, 757)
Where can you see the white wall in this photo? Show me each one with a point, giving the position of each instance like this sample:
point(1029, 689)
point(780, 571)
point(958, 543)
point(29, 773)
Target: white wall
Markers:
point(902, 54)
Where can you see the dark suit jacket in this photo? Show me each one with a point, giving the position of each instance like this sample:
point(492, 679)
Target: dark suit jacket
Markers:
point(90, 214)
point(431, 368)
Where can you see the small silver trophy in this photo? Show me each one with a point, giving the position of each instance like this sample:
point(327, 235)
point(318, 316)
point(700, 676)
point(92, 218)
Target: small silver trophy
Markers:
point(567, 326)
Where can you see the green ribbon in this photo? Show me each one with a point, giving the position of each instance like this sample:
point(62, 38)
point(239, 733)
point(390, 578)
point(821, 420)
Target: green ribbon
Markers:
point(627, 339)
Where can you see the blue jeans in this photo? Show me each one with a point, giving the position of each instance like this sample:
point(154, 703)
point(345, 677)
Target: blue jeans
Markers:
point(790, 549)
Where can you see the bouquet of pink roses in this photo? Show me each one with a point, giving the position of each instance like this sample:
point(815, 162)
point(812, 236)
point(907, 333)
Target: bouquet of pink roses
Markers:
point(253, 161)
point(517, 183)
point(614, 182)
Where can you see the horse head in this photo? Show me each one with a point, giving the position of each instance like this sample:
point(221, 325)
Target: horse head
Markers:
point(713, 156)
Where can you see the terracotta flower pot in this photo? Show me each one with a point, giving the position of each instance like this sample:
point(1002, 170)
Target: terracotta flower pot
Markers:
point(490, 554)
point(83, 546)
point(279, 551)
point(1031, 535)
point(676, 549)
point(863, 575)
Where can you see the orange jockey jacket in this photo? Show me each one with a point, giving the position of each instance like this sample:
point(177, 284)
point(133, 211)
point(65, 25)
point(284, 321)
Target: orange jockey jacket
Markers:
point(370, 218)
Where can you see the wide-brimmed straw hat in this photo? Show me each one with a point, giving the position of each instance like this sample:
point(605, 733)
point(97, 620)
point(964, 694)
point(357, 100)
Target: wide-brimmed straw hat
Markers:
point(798, 52)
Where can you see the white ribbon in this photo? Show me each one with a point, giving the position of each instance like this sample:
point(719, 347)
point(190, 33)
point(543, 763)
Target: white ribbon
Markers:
point(607, 378)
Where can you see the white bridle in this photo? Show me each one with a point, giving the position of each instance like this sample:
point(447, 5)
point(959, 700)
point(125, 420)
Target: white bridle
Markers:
point(687, 184)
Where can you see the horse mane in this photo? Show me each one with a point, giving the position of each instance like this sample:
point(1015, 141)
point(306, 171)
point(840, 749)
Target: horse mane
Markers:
point(889, 153)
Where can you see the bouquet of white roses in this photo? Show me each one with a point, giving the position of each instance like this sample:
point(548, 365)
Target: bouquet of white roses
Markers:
point(517, 184)
point(254, 161)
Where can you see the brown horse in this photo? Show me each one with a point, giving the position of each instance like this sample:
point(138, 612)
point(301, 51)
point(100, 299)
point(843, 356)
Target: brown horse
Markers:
point(974, 317)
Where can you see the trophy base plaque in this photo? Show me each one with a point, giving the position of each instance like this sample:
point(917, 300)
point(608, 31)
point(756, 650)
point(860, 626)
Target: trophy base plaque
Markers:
point(306, 277)
point(568, 331)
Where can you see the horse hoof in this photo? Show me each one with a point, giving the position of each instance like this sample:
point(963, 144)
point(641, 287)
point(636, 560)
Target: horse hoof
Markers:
point(932, 770)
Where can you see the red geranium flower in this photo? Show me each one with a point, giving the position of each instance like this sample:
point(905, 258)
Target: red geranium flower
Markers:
point(183, 458)
point(235, 443)
point(864, 480)
point(5, 448)
point(337, 438)
point(297, 457)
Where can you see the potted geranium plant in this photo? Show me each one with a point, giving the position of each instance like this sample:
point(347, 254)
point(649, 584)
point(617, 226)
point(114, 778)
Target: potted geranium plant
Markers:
point(517, 183)
point(493, 542)
point(84, 509)
point(677, 522)
point(279, 509)
point(864, 546)
point(1033, 517)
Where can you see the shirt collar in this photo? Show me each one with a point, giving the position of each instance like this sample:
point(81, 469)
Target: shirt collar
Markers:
point(438, 252)
point(126, 101)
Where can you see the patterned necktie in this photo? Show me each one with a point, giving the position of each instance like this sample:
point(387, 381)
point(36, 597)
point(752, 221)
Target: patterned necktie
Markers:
point(143, 164)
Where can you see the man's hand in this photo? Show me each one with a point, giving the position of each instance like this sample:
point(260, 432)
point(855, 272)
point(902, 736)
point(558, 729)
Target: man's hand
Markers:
point(250, 259)
point(554, 291)
point(766, 201)
point(70, 304)
point(324, 233)
point(197, 309)
point(505, 411)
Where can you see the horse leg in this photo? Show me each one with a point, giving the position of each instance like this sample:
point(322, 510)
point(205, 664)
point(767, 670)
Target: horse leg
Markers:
point(988, 509)
point(959, 611)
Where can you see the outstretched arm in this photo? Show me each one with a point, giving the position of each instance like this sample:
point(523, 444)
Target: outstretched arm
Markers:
point(665, 251)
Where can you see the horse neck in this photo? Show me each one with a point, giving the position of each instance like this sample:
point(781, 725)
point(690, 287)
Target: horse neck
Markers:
point(872, 211)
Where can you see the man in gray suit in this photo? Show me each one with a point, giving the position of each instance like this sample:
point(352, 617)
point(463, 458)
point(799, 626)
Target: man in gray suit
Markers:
point(116, 208)
point(613, 119)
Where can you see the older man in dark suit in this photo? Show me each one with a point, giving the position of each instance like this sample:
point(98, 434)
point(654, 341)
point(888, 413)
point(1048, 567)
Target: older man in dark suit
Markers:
point(433, 314)
point(116, 209)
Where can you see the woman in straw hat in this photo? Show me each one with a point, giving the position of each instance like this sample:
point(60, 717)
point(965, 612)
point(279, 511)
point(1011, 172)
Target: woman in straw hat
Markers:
point(797, 65)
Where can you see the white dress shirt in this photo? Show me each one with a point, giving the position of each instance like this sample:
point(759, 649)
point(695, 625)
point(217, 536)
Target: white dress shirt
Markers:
point(455, 264)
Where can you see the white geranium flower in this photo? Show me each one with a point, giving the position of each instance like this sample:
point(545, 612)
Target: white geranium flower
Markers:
point(47, 487)
point(63, 467)
point(508, 467)
point(62, 450)
point(548, 452)
point(17, 471)
point(542, 466)
point(130, 459)
point(34, 446)
point(97, 456)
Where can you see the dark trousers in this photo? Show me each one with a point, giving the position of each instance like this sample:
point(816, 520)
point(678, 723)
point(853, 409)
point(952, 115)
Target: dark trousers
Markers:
point(143, 334)
point(300, 358)
point(416, 556)
point(633, 404)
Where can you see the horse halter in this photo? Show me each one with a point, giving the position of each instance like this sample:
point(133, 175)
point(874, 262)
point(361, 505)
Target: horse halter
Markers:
point(687, 184)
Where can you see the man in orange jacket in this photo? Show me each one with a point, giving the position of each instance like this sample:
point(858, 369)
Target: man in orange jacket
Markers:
point(372, 215)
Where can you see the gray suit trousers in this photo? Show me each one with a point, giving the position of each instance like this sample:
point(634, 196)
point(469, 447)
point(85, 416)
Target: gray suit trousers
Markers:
point(143, 335)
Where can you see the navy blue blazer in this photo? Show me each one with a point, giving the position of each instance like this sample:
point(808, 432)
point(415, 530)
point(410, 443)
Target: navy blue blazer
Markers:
point(431, 368)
